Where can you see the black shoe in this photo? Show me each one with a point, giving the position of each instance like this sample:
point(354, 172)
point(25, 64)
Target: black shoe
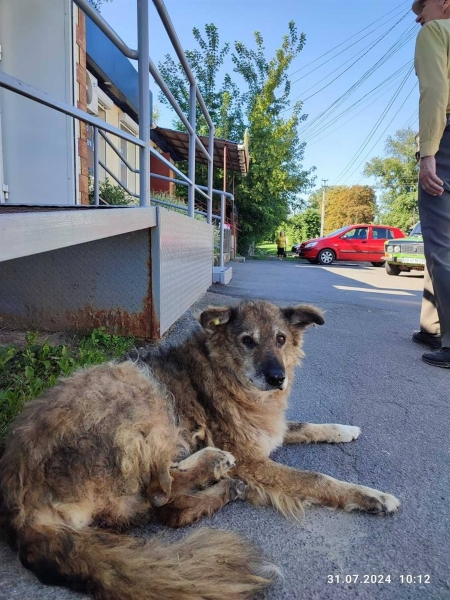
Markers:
point(440, 358)
point(433, 342)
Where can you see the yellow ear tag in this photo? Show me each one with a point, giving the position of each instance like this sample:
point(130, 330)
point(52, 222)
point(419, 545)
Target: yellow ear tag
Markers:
point(216, 321)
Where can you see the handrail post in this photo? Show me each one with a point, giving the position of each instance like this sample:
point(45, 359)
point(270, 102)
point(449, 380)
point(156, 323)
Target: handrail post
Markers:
point(210, 175)
point(222, 229)
point(144, 101)
point(191, 170)
point(96, 181)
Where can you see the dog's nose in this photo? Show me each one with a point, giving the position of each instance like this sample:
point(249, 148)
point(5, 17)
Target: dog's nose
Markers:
point(275, 377)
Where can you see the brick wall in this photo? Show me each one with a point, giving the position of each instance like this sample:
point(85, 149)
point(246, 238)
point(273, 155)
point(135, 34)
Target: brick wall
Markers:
point(83, 181)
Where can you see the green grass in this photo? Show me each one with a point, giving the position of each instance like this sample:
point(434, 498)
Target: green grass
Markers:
point(26, 372)
point(268, 251)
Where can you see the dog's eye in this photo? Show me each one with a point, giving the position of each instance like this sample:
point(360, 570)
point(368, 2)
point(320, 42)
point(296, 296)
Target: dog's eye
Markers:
point(248, 341)
point(281, 339)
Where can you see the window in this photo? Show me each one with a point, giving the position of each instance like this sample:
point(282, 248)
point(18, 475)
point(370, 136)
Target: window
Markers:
point(123, 148)
point(380, 233)
point(359, 233)
point(101, 146)
point(128, 151)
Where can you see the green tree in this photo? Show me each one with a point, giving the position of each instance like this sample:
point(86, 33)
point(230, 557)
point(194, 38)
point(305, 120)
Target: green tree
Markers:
point(224, 100)
point(302, 226)
point(346, 205)
point(97, 3)
point(310, 224)
point(276, 176)
point(396, 175)
point(315, 199)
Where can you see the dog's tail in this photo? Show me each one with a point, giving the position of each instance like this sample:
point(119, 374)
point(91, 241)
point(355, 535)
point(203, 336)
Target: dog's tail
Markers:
point(207, 565)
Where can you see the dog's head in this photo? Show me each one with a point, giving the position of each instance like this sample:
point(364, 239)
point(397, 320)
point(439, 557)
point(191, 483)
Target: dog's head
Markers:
point(258, 341)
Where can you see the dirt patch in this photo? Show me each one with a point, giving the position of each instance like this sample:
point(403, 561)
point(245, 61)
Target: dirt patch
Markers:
point(17, 338)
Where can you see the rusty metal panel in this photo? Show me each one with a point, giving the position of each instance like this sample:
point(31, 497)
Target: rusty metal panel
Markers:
point(105, 282)
point(182, 259)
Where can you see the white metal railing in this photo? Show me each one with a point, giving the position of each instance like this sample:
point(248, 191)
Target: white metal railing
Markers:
point(101, 128)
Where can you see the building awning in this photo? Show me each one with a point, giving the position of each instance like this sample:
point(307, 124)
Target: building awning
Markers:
point(176, 143)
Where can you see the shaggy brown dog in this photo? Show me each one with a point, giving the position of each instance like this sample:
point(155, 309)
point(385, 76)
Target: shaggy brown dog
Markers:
point(117, 444)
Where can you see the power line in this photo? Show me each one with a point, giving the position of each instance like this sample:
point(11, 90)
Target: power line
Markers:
point(335, 105)
point(362, 53)
point(377, 97)
point(376, 126)
point(320, 128)
point(371, 46)
point(350, 38)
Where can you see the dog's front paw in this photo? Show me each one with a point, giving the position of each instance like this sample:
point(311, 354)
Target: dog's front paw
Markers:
point(222, 462)
point(344, 433)
point(372, 501)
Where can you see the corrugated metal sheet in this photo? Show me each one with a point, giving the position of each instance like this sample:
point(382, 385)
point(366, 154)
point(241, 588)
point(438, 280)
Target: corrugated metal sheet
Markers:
point(182, 251)
point(137, 283)
point(101, 283)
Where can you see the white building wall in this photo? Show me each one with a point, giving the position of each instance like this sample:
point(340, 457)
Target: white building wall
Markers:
point(38, 143)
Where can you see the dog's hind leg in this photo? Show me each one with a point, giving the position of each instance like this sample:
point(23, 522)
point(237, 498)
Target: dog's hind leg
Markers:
point(331, 433)
point(191, 507)
point(285, 488)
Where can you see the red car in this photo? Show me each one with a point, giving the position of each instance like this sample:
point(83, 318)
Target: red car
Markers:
point(353, 243)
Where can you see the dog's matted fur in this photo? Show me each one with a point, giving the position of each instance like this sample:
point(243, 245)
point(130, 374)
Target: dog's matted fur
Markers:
point(173, 435)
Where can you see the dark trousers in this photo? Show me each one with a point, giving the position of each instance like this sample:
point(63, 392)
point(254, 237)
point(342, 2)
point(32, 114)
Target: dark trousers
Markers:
point(435, 221)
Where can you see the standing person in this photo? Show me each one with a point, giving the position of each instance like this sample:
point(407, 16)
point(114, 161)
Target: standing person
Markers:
point(282, 244)
point(432, 63)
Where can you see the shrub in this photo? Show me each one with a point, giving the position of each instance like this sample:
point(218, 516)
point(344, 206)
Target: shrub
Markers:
point(26, 372)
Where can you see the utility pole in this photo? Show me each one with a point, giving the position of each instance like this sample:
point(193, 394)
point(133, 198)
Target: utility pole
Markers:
point(322, 220)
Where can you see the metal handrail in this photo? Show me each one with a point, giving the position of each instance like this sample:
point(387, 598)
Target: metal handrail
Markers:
point(143, 141)
point(167, 22)
point(186, 178)
point(117, 151)
point(23, 89)
point(117, 179)
point(146, 66)
point(160, 81)
point(93, 14)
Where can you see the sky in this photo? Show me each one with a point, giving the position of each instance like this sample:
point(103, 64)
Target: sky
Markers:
point(354, 75)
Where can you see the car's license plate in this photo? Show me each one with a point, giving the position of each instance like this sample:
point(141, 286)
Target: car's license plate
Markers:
point(415, 261)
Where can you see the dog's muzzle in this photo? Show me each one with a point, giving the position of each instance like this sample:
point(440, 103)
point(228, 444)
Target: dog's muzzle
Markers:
point(276, 378)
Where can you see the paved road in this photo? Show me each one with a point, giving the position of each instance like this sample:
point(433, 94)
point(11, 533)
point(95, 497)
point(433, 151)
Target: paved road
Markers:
point(361, 368)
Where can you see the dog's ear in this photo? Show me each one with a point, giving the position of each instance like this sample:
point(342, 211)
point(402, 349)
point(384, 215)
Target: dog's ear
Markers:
point(303, 315)
point(214, 316)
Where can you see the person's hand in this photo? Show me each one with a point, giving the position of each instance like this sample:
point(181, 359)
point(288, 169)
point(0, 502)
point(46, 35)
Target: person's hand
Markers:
point(428, 178)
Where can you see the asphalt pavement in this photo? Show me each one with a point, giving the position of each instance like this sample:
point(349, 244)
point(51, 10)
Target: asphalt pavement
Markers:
point(361, 368)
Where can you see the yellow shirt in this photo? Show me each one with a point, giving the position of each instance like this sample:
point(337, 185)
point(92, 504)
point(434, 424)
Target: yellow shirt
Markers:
point(432, 63)
point(281, 241)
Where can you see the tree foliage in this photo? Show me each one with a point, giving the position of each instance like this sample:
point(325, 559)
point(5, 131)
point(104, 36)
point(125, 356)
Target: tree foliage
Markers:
point(97, 3)
point(276, 176)
point(345, 205)
point(396, 175)
point(223, 98)
point(302, 226)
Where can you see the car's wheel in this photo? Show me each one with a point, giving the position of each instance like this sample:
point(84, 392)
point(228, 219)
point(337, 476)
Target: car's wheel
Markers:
point(377, 264)
point(326, 257)
point(392, 269)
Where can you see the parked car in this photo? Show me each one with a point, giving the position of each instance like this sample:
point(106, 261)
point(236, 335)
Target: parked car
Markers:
point(406, 254)
point(295, 248)
point(351, 243)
